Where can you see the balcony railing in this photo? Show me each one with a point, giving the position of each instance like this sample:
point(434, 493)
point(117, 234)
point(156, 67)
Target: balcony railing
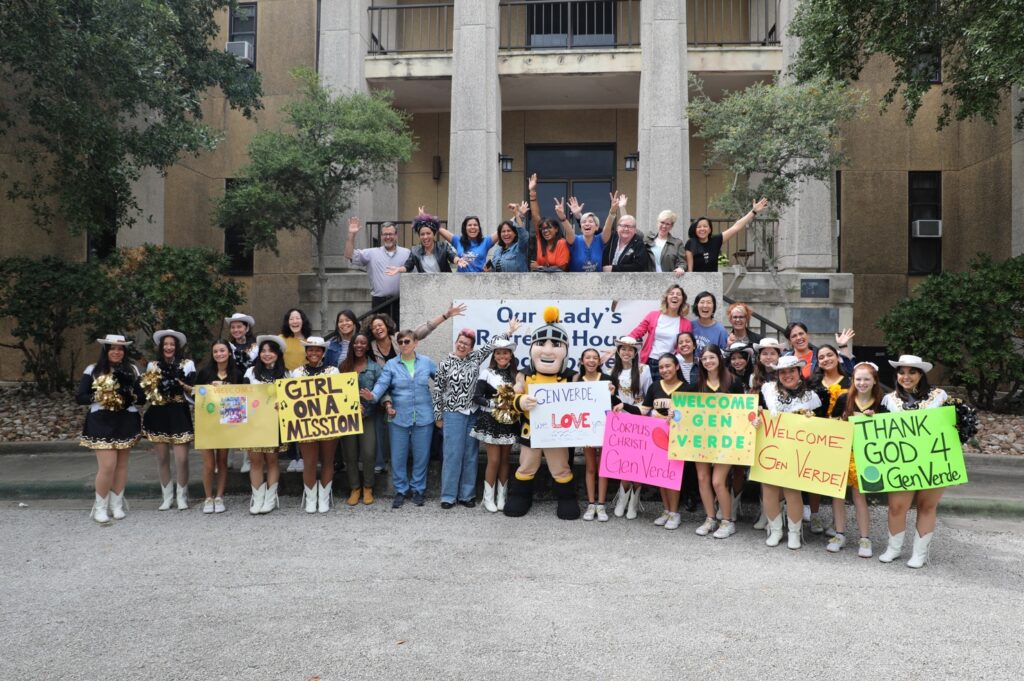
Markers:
point(569, 24)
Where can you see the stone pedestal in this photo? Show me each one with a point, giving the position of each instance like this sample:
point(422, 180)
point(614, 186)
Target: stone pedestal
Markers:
point(344, 42)
point(664, 143)
point(475, 139)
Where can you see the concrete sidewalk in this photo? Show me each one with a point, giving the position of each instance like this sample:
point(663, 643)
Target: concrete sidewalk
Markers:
point(55, 470)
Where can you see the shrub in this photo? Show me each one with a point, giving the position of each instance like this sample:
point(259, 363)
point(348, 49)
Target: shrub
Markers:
point(973, 323)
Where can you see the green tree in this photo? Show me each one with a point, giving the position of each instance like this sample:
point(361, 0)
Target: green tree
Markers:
point(973, 323)
point(305, 178)
point(980, 45)
point(47, 300)
point(771, 136)
point(159, 287)
point(94, 91)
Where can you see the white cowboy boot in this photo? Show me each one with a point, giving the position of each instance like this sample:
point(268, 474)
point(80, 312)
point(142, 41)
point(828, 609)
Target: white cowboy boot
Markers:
point(893, 550)
point(621, 499)
point(182, 497)
point(634, 505)
point(168, 492)
point(99, 511)
point(502, 494)
point(258, 494)
point(920, 556)
point(324, 498)
point(489, 498)
point(309, 495)
point(774, 529)
point(270, 500)
point(762, 519)
point(118, 505)
point(795, 534)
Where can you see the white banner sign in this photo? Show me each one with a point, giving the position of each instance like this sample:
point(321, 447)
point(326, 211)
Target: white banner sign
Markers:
point(569, 414)
point(589, 323)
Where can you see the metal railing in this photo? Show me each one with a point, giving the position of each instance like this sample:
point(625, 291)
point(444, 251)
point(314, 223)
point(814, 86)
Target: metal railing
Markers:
point(745, 249)
point(567, 24)
point(732, 22)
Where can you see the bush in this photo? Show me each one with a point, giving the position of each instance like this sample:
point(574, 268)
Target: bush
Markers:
point(160, 287)
point(47, 299)
point(973, 323)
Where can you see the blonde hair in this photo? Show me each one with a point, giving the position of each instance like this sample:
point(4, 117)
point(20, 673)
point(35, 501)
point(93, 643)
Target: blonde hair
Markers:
point(684, 309)
point(667, 215)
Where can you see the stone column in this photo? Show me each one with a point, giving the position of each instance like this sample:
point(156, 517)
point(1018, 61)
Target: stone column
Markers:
point(474, 186)
point(664, 142)
point(344, 44)
point(807, 238)
point(1016, 175)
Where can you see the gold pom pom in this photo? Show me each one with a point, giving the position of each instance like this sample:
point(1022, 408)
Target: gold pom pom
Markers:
point(150, 383)
point(551, 314)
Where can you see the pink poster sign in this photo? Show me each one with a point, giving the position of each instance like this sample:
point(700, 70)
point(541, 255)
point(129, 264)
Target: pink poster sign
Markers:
point(636, 449)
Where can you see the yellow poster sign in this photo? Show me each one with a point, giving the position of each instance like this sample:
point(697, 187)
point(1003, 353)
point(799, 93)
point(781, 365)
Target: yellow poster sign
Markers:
point(238, 416)
point(808, 454)
point(319, 407)
point(712, 428)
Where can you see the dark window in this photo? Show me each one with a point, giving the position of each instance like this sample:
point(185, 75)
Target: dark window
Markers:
point(925, 203)
point(99, 246)
point(243, 26)
point(928, 67)
point(585, 23)
point(240, 259)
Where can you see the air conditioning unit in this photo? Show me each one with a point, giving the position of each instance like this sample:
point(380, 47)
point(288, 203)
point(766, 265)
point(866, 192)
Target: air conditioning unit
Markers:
point(242, 49)
point(926, 229)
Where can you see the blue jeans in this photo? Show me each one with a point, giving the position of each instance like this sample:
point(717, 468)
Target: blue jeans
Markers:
point(461, 453)
point(416, 438)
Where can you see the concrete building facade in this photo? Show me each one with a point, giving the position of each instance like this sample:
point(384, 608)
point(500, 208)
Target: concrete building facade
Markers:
point(590, 94)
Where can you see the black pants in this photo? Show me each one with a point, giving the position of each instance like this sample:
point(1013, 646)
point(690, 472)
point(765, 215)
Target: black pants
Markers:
point(391, 309)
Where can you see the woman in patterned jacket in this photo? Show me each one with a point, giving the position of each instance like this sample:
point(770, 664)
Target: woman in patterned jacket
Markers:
point(454, 388)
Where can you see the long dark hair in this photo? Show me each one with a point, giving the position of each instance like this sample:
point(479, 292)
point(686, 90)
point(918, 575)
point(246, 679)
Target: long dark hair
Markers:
point(277, 371)
point(349, 362)
point(179, 350)
point(515, 234)
point(634, 372)
point(209, 370)
point(286, 331)
point(583, 371)
point(851, 396)
point(559, 236)
point(102, 365)
point(923, 386)
point(762, 374)
point(345, 313)
point(819, 375)
point(467, 242)
point(725, 377)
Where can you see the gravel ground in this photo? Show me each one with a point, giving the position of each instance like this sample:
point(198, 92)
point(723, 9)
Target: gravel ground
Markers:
point(425, 593)
point(26, 416)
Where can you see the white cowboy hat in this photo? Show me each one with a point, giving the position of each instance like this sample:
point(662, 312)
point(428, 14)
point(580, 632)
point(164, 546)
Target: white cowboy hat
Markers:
point(239, 317)
point(314, 342)
point(628, 341)
point(276, 340)
point(911, 361)
point(767, 343)
point(739, 347)
point(159, 336)
point(505, 344)
point(113, 339)
point(787, 362)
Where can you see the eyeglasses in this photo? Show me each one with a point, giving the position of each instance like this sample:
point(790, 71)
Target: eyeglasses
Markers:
point(405, 341)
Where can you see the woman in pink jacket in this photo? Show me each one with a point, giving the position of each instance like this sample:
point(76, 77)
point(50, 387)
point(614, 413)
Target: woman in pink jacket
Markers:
point(660, 328)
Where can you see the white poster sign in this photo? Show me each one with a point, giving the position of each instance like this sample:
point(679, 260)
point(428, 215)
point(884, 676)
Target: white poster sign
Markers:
point(589, 323)
point(569, 414)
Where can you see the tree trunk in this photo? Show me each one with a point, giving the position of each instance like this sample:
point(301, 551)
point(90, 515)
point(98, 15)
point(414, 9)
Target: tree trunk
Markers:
point(321, 275)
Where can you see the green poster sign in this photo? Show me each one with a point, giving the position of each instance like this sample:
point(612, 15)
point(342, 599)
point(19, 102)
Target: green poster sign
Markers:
point(907, 451)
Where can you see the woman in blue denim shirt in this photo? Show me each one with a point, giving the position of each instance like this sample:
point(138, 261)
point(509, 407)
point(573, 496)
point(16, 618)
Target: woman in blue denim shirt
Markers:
point(345, 327)
point(510, 255)
point(362, 448)
point(411, 416)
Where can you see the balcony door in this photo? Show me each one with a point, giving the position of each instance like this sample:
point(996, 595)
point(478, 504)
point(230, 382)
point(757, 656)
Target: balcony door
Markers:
point(586, 172)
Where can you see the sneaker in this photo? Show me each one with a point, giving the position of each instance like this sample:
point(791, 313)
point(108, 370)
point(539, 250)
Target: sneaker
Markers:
point(673, 521)
point(398, 501)
point(662, 519)
point(602, 514)
point(816, 525)
point(418, 498)
point(292, 466)
point(835, 543)
point(208, 505)
point(830, 532)
point(707, 528)
point(725, 530)
point(590, 512)
point(299, 466)
point(218, 505)
point(864, 547)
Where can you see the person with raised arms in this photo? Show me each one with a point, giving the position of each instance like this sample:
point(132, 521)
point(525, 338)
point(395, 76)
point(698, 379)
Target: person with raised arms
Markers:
point(586, 249)
point(703, 248)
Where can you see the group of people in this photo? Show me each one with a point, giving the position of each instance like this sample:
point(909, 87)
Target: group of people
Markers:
point(477, 397)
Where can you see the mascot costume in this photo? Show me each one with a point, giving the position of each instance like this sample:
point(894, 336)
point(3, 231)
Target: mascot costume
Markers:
point(549, 350)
